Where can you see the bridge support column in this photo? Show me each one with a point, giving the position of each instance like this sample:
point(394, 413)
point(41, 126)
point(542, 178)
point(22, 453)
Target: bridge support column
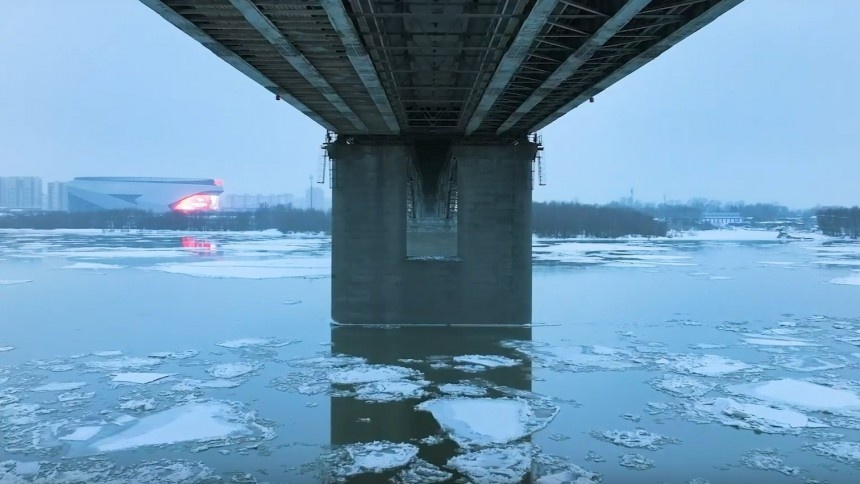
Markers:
point(488, 281)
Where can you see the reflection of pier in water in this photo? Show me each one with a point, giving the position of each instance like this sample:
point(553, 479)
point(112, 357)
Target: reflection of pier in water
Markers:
point(399, 421)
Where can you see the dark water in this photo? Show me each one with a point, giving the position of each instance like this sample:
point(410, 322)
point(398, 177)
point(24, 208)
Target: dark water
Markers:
point(610, 321)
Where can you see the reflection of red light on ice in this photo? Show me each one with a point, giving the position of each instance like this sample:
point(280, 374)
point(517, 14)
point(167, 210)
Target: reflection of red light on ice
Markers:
point(197, 203)
point(192, 243)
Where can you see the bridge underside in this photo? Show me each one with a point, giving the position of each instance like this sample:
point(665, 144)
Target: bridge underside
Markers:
point(432, 103)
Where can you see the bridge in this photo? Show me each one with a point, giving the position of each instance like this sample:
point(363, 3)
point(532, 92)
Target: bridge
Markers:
point(431, 108)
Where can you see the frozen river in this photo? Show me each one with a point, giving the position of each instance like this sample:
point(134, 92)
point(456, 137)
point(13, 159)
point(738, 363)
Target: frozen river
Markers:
point(166, 357)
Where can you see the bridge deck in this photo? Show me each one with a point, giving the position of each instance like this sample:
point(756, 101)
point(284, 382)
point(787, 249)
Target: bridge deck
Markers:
point(442, 67)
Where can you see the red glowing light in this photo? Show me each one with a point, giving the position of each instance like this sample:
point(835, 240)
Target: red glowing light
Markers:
point(219, 183)
point(192, 243)
point(197, 203)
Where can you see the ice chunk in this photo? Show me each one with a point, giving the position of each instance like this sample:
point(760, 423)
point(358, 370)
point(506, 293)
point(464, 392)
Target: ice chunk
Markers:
point(636, 461)
point(704, 365)
point(373, 457)
point(306, 267)
point(847, 452)
point(683, 386)
point(6, 348)
point(767, 461)
point(81, 434)
point(496, 465)
point(721, 278)
point(847, 281)
point(141, 405)
point(232, 370)
point(125, 363)
point(75, 396)
point(777, 342)
point(292, 302)
point(60, 386)
point(190, 385)
point(489, 361)
point(487, 421)
point(107, 353)
point(190, 422)
point(574, 358)
point(462, 389)
point(371, 373)
point(801, 394)
point(11, 282)
point(91, 265)
point(422, 472)
point(573, 475)
point(390, 391)
point(638, 438)
point(751, 416)
point(139, 377)
point(809, 363)
point(252, 342)
point(174, 355)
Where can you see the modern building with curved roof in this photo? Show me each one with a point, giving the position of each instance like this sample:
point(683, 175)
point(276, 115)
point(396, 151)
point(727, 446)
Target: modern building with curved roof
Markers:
point(88, 194)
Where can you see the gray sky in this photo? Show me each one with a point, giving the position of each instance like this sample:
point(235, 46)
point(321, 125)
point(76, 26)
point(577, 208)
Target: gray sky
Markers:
point(761, 105)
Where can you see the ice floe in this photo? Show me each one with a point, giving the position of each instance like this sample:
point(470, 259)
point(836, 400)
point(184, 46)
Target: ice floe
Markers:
point(310, 267)
point(60, 386)
point(190, 385)
point(6, 348)
point(123, 363)
point(847, 452)
point(107, 353)
point(140, 378)
point(636, 462)
point(253, 342)
point(853, 280)
point(638, 438)
point(81, 471)
point(174, 355)
point(809, 363)
point(462, 389)
point(191, 422)
point(573, 358)
point(371, 457)
point(704, 365)
point(422, 472)
point(488, 361)
point(777, 342)
point(138, 405)
point(801, 394)
point(233, 370)
point(751, 416)
point(766, 460)
point(389, 391)
point(75, 396)
point(81, 434)
point(9, 282)
point(92, 266)
point(495, 465)
point(371, 373)
point(489, 421)
point(682, 386)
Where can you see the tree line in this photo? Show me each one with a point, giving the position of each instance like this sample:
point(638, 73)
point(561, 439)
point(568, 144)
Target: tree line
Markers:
point(282, 218)
point(562, 220)
point(839, 221)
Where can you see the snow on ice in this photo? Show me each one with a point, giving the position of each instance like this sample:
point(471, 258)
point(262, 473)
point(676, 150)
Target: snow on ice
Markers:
point(81, 434)
point(703, 365)
point(489, 361)
point(232, 370)
point(60, 386)
point(372, 457)
point(638, 438)
point(495, 465)
point(92, 266)
point(751, 416)
point(252, 342)
point(801, 394)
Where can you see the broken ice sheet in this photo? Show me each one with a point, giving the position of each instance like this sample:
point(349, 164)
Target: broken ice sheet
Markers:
point(638, 438)
point(371, 373)
point(174, 355)
point(370, 457)
point(488, 421)
point(488, 361)
point(808, 363)
point(766, 460)
point(233, 370)
point(192, 422)
point(703, 365)
point(81, 434)
point(801, 394)
point(6, 348)
point(104, 471)
point(140, 378)
point(682, 386)
point(636, 462)
point(495, 465)
point(846, 452)
point(421, 472)
point(190, 385)
point(389, 391)
point(123, 363)
point(138, 405)
point(573, 358)
point(60, 386)
point(462, 389)
point(253, 342)
point(751, 416)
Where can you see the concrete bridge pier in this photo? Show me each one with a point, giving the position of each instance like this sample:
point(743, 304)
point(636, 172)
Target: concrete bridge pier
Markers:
point(385, 272)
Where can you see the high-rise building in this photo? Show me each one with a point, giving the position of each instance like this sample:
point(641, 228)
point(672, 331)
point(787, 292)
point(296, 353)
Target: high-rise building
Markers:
point(23, 192)
point(58, 197)
point(315, 199)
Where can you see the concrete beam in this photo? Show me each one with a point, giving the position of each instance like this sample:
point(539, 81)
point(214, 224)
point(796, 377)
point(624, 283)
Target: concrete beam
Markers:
point(361, 61)
point(640, 60)
point(299, 62)
point(233, 59)
point(511, 61)
point(576, 59)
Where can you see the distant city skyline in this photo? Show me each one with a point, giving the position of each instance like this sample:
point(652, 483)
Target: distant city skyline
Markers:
point(744, 109)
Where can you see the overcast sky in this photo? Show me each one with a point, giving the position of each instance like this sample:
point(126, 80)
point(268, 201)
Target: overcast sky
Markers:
point(761, 105)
